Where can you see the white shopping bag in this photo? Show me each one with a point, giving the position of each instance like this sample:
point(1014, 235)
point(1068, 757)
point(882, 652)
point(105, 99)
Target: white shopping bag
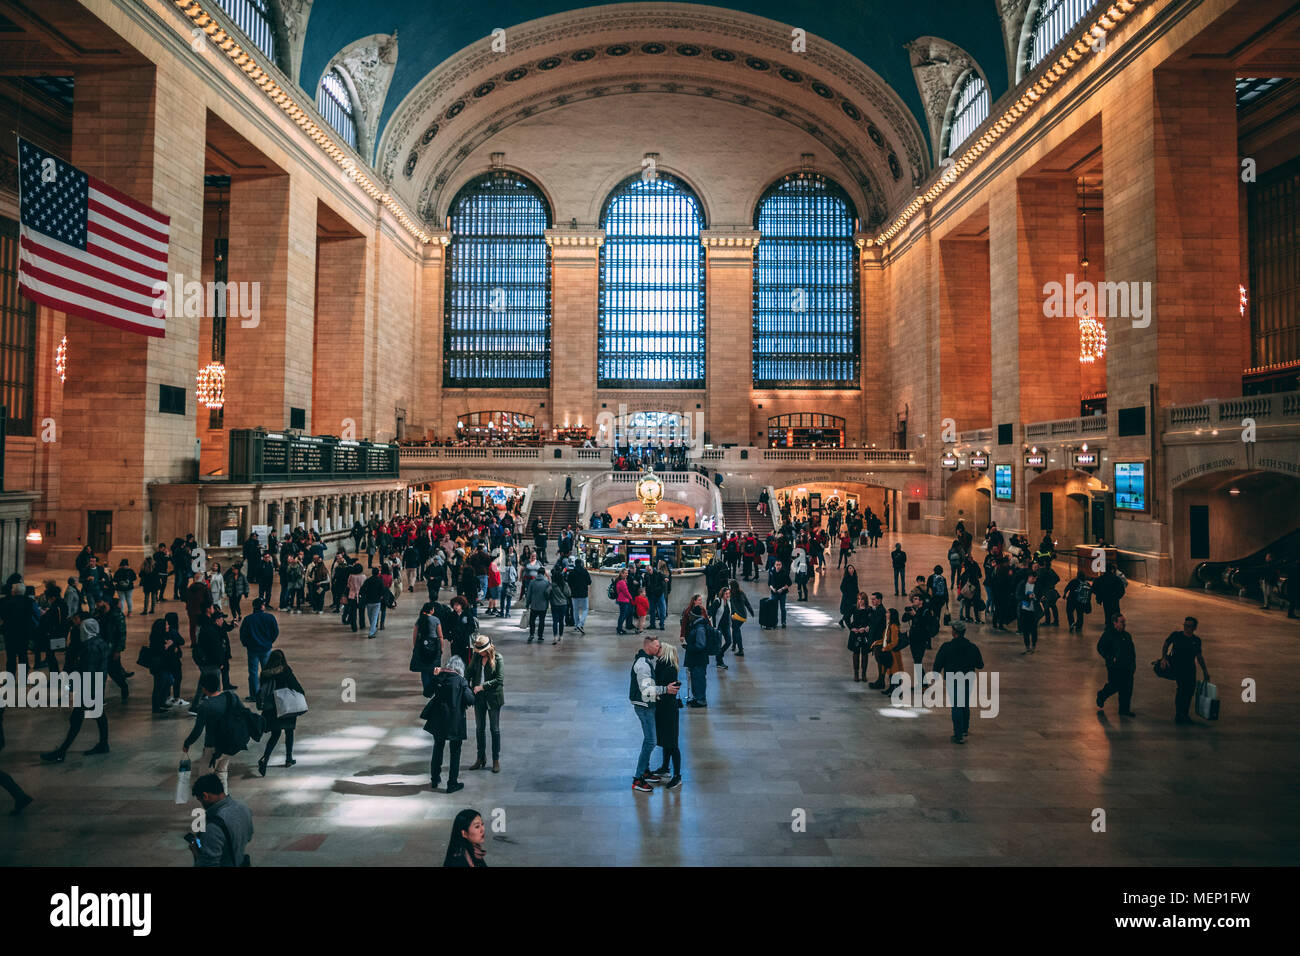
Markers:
point(1207, 701)
point(183, 782)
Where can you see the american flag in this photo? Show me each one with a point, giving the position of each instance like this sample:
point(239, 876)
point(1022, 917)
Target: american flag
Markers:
point(87, 249)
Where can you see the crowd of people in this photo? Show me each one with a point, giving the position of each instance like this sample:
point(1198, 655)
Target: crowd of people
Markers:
point(670, 456)
point(471, 551)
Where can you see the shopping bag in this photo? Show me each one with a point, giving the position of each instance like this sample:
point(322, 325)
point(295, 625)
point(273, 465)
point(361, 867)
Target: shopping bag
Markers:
point(1207, 700)
point(289, 703)
point(183, 782)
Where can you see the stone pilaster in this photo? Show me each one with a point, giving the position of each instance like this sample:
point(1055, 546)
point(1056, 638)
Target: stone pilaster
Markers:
point(575, 307)
point(729, 336)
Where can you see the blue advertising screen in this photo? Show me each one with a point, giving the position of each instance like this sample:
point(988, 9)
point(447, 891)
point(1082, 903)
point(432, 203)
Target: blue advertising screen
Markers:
point(1002, 489)
point(1130, 486)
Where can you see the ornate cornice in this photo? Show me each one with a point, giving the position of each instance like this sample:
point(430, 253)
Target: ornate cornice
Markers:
point(938, 65)
point(568, 237)
point(714, 239)
point(369, 63)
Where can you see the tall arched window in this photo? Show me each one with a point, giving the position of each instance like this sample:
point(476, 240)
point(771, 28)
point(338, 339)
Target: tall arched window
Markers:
point(255, 18)
point(970, 108)
point(497, 331)
point(1052, 21)
point(806, 332)
point(651, 286)
point(335, 104)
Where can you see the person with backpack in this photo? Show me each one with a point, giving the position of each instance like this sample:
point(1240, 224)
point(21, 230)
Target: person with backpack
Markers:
point(1048, 579)
point(426, 646)
point(277, 675)
point(938, 586)
point(221, 721)
point(1078, 601)
point(956, 557)
point(444, 719)
point(1109, 589)
point(229, 825)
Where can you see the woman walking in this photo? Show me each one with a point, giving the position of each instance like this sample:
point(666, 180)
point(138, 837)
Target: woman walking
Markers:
point(720, 616)
point(624, 598)
point(741, 611)
point(487, 679)
point(859, 628)
point(668, 715)
point(558, 595)
point(465, 848)
point(848, 593)
point(151, 583)
point(277, 675)
point(799, 566)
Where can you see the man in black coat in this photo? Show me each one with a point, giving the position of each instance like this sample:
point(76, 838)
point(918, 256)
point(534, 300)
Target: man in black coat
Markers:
point(1117, 650)
point(1108, 589)
point(960, 658)
point(778, 582)
point(444, 718)
point(19, 613)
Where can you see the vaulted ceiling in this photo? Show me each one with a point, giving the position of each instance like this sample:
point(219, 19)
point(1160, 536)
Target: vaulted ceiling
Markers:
point(849, 85)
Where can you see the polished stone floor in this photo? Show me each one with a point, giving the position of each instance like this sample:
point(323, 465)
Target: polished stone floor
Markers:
point(787, 736)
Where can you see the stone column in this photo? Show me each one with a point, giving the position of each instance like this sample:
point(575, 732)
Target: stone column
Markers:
point(729, 334)
point(575, 288)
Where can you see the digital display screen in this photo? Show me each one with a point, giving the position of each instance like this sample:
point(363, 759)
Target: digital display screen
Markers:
point(1002, 488)
point(1130, 486)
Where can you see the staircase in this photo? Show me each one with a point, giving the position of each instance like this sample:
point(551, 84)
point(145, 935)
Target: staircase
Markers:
point(739, 514)
point(556, 512)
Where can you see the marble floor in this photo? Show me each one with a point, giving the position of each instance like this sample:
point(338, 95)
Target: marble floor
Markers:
point(788, 737)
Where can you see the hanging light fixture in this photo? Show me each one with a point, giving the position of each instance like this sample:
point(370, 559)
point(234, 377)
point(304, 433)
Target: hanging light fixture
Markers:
point(211, 392)
point(1092, 334)
point(61, 360)
point(1242, 300)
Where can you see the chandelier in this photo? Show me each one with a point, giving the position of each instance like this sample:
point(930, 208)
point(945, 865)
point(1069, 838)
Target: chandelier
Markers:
point(211, 391)
point(61, 360)
point(1092, 339)
point(1242, 300)
point(1092, 333)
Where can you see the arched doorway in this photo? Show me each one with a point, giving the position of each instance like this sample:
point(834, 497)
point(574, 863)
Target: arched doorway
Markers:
point(1232, 519)
point(970, 500)
point(1060, 502)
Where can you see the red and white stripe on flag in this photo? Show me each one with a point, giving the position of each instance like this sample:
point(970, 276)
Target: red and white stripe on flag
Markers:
point(119, 278)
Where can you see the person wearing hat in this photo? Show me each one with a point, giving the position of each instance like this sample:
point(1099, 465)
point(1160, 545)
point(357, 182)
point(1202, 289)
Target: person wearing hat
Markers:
point(91, 662)
point(488, 682)
point(960, 658)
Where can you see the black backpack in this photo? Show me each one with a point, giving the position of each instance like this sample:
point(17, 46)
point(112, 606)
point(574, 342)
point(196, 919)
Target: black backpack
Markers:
point(236, 727)
point(712, 640)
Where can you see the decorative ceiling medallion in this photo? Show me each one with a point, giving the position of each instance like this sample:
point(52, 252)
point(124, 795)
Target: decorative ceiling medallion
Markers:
point(754, 63)
point(484, 89)
point(455, 109)
point(790, 75)
point(894, 168)
point(653, 48)
point(687, 49)
point(618, 49)
point(850, 111)
point(550, 63)
point(875, 136)
point(518, 73)
point(723, 56)
point(583, 55)
point(429, 134)
point(823, 91)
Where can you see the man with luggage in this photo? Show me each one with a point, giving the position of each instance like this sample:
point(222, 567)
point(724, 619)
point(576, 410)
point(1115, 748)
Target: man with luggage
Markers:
point(778, 582)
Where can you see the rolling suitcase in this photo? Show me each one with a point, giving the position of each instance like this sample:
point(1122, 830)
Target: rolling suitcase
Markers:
point(767, 609)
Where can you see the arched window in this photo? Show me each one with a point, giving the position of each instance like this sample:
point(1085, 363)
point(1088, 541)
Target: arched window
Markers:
point(1052, 21)
point(497, 331)
point(335, 104)
point(970, 108)
point(651, 286)
point(255, 18)
point(805, 286)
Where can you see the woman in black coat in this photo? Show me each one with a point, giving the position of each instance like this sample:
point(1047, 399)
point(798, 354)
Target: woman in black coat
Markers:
point(277, 675)
point(859, 637)
point(848, 593)
point(162, 655)
point(444, 718)
point(668, 714)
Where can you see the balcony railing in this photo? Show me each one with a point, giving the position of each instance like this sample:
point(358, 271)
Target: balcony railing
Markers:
point(1229, 412)
point(416, 455)
point(1067, 427)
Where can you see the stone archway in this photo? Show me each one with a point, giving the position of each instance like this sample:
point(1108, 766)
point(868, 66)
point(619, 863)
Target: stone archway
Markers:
point(1234, 515)
point(1064, 495)
point(970, 500)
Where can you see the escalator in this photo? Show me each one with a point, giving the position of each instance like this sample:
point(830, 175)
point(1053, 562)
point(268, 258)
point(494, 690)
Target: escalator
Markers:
point(1243, 575)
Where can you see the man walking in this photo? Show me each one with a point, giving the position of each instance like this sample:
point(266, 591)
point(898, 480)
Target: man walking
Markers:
point(960, 658)
point(1183, 648)
point(568, 487)
point(258, 634)
point(643, 692)
point(539, 602)
point(778, 582)
point(229, 825)
point(1117, 650)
